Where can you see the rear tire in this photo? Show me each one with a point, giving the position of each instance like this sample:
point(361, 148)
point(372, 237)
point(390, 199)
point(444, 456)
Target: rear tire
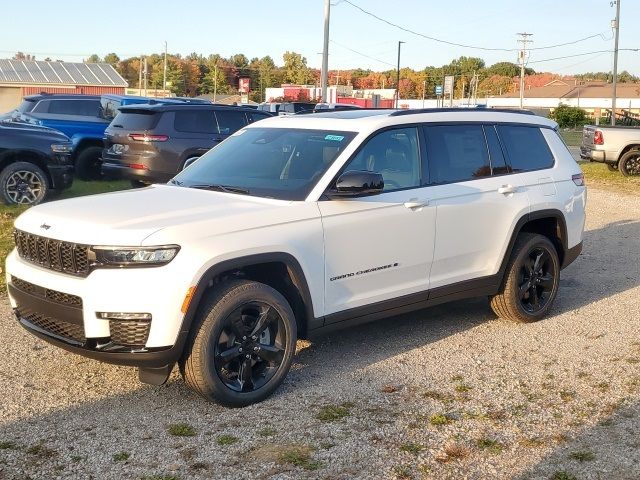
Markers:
point(88, 165)
point(23, 183)
point(531, 280)
point(629, 164)
point(242, 344)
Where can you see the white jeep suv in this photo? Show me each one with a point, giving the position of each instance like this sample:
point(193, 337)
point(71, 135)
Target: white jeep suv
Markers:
point(298, 225)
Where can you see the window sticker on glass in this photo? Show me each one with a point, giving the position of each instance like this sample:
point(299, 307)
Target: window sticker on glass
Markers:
point(334, 138)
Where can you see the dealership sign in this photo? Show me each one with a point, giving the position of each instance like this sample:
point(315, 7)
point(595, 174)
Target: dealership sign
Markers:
point(243, 84)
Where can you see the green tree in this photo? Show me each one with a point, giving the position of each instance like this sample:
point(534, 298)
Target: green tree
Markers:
point(112, 59)
point(503, 69)
point(295, 66)
point(93, 59)
point(568, 116)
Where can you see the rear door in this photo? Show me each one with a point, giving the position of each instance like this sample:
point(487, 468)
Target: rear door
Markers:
point(196, 132)
point(478, 202)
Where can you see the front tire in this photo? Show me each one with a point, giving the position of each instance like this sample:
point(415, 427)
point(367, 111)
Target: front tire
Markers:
point(242, 344)
point(88, 164)
point(23, 183)
point(629, 164)
point(531, 280)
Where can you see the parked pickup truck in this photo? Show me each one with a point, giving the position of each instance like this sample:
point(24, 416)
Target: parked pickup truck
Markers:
point(618, 147)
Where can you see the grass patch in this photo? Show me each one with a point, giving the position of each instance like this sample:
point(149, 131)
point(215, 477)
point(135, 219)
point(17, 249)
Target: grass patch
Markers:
point(227, 440)
point(9, 446)
point(452, 451)
point(533, 442)
point(121, 457)
point(299, 457)
point(489, 444)
point(599, 176)
point(41, 451)
point(267, 432)
point(462, 388)
point(573, 138)
point(333, 413)
point(181, 430)
point(566, 396)
point(439, 419)
point(582, 456)
point(402, 472)
point(8, 213)
point(563, 475)
point(414, 448)
point(435, 395)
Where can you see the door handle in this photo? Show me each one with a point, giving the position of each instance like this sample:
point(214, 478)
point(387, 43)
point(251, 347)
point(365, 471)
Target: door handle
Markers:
point(506, 189)
point(414, 204)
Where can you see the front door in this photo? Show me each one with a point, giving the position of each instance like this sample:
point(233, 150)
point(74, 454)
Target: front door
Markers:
point(380, 247)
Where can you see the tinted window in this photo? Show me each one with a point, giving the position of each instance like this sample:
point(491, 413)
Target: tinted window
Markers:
point(75, 107)
point(195, 121)
point(230, 121)
point(498, 163)
point(271, 162)
point(136, 120)
point(109, 108)
point(456, 153)
point(255, 116)
point(26, 106)
point(300, 107)
point(394, 154)
point(526, 147)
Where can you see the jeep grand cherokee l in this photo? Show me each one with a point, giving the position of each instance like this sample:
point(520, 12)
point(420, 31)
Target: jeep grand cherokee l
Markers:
point(298, 225)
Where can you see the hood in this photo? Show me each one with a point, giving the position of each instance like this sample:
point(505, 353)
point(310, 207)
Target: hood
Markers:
point(131, 216)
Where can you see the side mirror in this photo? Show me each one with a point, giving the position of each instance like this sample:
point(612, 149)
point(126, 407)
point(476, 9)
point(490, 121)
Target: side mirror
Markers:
point(356, 183)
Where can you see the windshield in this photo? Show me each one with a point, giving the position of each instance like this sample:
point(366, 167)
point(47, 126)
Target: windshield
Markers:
point(280, 163)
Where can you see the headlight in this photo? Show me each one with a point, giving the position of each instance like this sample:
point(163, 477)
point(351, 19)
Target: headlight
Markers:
point(61, 147)
point(135, 256)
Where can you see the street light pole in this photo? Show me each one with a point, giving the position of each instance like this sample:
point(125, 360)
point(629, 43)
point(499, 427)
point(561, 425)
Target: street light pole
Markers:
point(616, 25)
point(164, 73)
point(325, 51)
point(398, 75)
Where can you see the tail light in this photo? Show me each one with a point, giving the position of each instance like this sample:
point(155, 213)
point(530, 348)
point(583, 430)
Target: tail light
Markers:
point(598, 138)
point(137, 166)
point(578, 179)
point(143, 137)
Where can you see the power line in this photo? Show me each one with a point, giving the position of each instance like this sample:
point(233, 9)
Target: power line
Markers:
point(583, 54)
point(361, 54)
point(475, 47)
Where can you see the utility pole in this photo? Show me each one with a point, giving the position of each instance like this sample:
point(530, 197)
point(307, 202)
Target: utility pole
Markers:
point(398, 75)
point(325, 51)
point(616, 25)
point(164, 73)
point(140, 78)
point(145, 76)
point(215, 81)
point(523, 54)
point(424, 89)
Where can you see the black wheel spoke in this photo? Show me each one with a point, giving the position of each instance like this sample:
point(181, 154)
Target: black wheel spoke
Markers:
point(245, 375)
point(533, 297)
point(546, 281)
point(271, 353)
point(522, 291)
point(263, 320)
point(228, 355)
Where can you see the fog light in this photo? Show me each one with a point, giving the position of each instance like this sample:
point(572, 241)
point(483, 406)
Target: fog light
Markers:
point(123, 316)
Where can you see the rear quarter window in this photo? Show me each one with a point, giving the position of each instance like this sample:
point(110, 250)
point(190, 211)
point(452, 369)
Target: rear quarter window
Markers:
point(136, 120)
point(87, 108)
point(526, 147)
point(230, 121)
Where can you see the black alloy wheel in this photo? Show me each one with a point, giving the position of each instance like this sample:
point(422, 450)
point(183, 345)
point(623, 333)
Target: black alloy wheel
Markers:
point(629, 164)
point(23, 183)
point(250, 348)
point(537, 280)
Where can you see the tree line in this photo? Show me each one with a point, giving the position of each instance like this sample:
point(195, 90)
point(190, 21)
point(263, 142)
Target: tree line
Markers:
point(196, 74)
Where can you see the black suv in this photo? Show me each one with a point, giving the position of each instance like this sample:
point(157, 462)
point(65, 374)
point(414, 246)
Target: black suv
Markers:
point(34, 161)
point(151, 143)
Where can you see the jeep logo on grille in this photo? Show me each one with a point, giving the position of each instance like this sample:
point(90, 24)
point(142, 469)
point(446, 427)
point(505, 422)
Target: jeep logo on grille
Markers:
point(45, 226)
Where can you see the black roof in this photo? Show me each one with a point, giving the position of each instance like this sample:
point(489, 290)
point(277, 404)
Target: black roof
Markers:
point(61, 96)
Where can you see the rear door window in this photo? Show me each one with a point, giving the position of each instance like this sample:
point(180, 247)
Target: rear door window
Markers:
point(87, 108)
point(526, 147)
point(230, 121)
point(255, 116)
point(136, 120)
point(456, 153)
point(498, 162)
point(195, 121)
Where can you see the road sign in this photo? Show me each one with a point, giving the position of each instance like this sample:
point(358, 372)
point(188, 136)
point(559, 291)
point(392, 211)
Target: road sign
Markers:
point(448, 85)
point(438, 89)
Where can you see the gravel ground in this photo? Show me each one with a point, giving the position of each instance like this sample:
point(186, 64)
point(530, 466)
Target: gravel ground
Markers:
point(448, 392)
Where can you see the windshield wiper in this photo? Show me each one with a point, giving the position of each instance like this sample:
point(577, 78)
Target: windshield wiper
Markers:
point(220, 188)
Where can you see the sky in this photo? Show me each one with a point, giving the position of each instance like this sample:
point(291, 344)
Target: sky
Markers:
point(72, 30)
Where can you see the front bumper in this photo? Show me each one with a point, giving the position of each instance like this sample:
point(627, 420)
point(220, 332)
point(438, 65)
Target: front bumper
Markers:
point(61, 176)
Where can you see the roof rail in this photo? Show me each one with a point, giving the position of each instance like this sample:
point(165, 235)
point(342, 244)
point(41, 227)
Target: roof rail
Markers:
point(455, 109)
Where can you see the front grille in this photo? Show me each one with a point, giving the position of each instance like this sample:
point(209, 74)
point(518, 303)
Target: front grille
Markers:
point(53, 254)
point(70, 331)
point(49, 294)
point(131, 333)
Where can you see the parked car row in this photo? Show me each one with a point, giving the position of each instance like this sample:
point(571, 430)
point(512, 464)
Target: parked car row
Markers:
point(142, 139)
